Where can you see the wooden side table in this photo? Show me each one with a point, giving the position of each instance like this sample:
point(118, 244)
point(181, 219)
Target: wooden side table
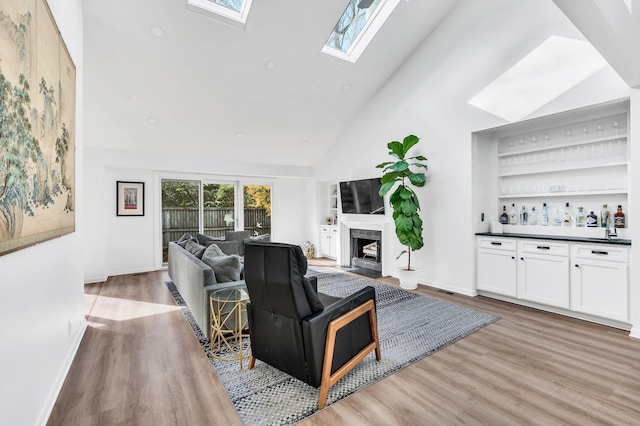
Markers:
point(228, 318)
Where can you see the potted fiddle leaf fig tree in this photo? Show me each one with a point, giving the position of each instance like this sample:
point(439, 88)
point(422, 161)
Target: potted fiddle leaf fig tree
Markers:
point(404, 201)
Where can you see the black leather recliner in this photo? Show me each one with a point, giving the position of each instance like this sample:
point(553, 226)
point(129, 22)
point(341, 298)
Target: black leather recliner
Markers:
point(311, 336)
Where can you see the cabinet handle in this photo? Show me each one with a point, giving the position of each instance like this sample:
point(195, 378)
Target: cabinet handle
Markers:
point(576, 265)
point(513, 257)
point(496, 243)
point(544, 247)
point(599, 252)
point(522, 258)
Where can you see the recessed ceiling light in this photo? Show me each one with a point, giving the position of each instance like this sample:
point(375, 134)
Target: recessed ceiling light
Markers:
point(156, 31)
point(305, 142)
point(152, 120)
point(270, 65)
point(346, 87)
point(239, 135)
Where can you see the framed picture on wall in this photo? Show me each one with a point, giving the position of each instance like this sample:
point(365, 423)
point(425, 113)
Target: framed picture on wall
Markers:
point(130, 198)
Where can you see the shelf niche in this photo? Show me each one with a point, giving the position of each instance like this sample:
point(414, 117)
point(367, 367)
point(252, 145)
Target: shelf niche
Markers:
point(578, 156)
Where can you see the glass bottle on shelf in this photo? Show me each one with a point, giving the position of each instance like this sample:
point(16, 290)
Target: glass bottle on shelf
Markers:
point(566, 221)
point(504, 217)
point(580, 218)
point(604, 216)
point(557, 218)
point(545, 215)
point(523, 216)
point(592, 220)
point(618, 218)
point(513, 216)
point(533, 217)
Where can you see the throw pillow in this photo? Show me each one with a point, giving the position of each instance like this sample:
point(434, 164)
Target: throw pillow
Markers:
point(212, 251)
point(183, 240)
point(226, 268)
point(205, 240)
point(227, 247)
point(194, 248)
point(312, 297)
point(238, 236)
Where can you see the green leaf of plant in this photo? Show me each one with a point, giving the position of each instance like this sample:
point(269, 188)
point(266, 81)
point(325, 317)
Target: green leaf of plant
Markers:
point(405, 193)
point(385, 188)
point(400, 166)
point(419, 158)
point(390, 177)
point(424, 166)
point(408, 143)
point(396, 148)
point(404, 223)
point(408, 207)
point(401, 253)
point(418, 179)
point(383, 165)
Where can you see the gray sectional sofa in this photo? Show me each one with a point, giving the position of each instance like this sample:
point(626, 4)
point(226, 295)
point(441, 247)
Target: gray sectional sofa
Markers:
point(197, 269)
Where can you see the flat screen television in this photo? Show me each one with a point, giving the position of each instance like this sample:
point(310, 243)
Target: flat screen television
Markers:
point(361, 197)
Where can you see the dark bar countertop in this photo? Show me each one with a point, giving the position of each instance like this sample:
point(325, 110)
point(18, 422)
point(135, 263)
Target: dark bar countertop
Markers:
point(614, 240)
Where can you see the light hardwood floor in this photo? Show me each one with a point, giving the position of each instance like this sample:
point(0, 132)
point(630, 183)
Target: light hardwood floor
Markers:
point(140, 364)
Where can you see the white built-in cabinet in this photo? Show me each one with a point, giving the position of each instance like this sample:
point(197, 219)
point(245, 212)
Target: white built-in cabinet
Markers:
point(543, 272)
point(574, 277)
point(497, 266)
point(599, 277)
point(329, 241)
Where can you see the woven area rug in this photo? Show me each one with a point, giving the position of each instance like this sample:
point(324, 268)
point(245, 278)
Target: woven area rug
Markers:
point(410, 327)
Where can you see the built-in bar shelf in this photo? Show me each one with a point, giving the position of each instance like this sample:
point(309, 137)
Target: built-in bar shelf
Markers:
point(565, 194)
point(543, 146)
point(562, 169)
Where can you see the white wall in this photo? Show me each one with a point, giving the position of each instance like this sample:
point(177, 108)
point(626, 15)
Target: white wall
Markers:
point(428, 97)
point(122, 245)
point(42, 287)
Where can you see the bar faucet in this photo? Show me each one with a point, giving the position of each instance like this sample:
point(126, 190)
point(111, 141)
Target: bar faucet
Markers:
point(607, 233)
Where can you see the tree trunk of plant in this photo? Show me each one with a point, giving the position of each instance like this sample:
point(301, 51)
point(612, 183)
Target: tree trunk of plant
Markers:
point(409, 262)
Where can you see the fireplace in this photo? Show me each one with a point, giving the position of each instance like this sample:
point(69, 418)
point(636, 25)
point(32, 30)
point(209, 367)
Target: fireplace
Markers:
point(366, 249)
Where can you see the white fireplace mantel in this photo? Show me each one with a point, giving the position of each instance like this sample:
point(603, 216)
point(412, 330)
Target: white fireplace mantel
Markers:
point(345, 240)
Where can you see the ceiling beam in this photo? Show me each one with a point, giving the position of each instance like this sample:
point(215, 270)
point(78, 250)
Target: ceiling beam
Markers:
point(612, 28)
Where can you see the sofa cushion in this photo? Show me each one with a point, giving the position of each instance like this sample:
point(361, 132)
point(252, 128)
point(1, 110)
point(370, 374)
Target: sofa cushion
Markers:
point(238, 236)
point(205, 240)
point(184, 239)
point(227, 247)
point(194, 248)
point(226, 268)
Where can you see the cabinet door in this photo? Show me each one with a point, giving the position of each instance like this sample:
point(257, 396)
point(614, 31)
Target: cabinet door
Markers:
point(497, 271)
point(333, 243)
point(544, 279)
point(600, 288)
point(325, 243)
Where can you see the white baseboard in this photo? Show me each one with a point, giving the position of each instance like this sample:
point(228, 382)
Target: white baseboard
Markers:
point(62, 375)
point(123, 272)
point(453, 289)
point(635, 332)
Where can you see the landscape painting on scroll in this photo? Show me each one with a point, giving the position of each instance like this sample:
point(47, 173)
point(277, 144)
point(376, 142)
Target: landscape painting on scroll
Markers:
point(37, 127)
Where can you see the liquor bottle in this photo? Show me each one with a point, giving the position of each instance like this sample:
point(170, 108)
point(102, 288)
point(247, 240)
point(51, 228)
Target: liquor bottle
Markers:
point(604, 216)
point(592, 220)
point(513, 215)
point(533, 217)
point(557, 218)
point(618, 218)
point(566, 221)
point(580, 218)
point(523, 216)
point(504, 217)
point(545, 215)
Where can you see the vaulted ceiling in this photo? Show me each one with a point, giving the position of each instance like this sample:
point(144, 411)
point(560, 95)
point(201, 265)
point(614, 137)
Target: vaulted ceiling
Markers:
point(160, 78)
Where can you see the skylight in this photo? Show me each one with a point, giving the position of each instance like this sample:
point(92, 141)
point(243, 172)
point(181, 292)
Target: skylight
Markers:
point(548, 71)
point(356, 28)
point(233, 12)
